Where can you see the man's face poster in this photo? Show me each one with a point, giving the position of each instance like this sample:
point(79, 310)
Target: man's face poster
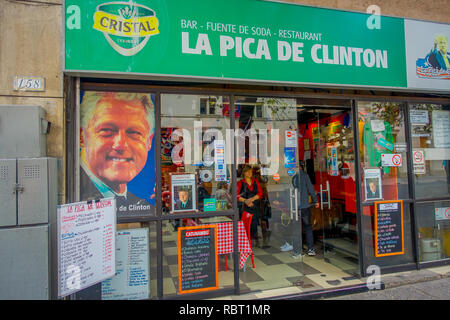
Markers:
point(116, 150)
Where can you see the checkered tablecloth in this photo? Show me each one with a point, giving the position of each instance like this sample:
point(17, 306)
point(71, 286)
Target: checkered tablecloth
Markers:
point(225, 241)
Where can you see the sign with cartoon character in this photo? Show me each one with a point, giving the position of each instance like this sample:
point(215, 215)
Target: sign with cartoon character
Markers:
point(427, 54)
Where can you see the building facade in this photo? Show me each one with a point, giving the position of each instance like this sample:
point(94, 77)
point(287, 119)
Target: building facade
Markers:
point(210, 122)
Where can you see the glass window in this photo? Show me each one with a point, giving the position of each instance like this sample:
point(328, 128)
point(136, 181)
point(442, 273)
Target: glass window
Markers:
point(383, 151)
point(433, 220)
point(430, 132)
point(195, 154)
point(383, 174)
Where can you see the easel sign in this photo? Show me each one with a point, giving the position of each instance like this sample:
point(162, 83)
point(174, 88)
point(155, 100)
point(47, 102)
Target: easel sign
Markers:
point(197, 259)
point(389, 235)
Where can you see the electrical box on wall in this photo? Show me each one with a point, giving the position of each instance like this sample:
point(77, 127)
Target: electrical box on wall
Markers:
point(23, 131)
point(29, 198)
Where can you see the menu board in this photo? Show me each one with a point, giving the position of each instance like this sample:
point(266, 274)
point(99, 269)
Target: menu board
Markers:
point(441, 128)
point(197, 259)
point(86, 244)
point(131, 281)
point(389, 237)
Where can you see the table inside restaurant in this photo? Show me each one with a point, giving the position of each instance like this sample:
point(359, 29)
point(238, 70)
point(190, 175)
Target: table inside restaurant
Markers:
point(225, 238)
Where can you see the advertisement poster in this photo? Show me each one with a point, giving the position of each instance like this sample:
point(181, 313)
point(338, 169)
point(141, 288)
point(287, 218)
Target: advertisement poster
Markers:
point(442, 213)
point(372, 184)
point(426, 47)
point(209, 204)
point(86, 244)
point(290, 159)
point(116, 150)
point(184, 193)
point(220, 168)
point(333, 165)
point(132, 279)
point(290, 138)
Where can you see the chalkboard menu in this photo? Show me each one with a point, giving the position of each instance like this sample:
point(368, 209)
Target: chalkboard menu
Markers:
point(197, 259)
point(389, 239)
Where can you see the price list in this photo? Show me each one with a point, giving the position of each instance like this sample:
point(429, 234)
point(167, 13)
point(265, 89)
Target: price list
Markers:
point(86, 244)
point(131, 281)
point(389, 238)
point(197, 259)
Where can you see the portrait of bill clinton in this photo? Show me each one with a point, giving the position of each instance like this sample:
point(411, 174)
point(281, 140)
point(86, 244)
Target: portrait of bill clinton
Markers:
point(116, 133)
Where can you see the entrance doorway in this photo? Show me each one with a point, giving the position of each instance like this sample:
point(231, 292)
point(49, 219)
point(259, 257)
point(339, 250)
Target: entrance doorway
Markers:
point(326, 148)
point(281, 140)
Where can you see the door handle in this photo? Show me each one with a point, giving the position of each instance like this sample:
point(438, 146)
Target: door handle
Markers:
point(321, 197)
point(329, 195)
point(293, 202)
point(327, 190)
point(296, 204)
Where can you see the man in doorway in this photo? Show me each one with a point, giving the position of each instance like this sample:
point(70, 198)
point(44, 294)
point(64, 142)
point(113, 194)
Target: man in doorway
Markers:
point(116, 137)
point(303, 184)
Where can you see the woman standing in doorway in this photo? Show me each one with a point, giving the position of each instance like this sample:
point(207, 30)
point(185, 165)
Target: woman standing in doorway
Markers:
point(249, 194)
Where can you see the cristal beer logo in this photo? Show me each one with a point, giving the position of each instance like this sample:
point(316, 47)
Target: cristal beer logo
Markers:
point(127, 26)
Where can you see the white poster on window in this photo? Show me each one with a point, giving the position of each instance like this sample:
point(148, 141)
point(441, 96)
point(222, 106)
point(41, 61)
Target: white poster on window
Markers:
point(391, 160)
point(442, 213)
point(419, 161)
point(441, 128)
point(419, 117)
point(132, 278)
point(290, 137)
point(373, 188)
point(86, 244)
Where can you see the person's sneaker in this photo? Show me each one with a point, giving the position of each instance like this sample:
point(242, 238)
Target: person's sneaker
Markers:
point(287, 248)
point(311, 252)
point(284, 245)
point(297, 255)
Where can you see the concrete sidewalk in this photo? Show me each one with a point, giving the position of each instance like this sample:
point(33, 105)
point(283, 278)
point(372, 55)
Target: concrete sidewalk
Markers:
point(427, 284)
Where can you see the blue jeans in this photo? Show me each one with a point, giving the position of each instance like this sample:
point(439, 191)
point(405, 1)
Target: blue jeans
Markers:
point(297, 235)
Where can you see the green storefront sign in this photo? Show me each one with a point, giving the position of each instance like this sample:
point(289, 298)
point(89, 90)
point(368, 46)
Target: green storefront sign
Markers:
point(245, 40)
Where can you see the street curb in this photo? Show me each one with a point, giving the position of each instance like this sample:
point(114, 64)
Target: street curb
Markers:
point(324, 294)
point(402, 280)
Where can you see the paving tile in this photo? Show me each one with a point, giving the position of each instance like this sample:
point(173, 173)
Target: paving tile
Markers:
point(330, 281)
point(269, 260)
point(249, 276)
point(444, 270)
point(279, 292)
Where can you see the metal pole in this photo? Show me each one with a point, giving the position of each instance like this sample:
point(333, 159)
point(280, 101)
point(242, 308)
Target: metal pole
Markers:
point(358, 187)
point(411, 186)
point(234, 195)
